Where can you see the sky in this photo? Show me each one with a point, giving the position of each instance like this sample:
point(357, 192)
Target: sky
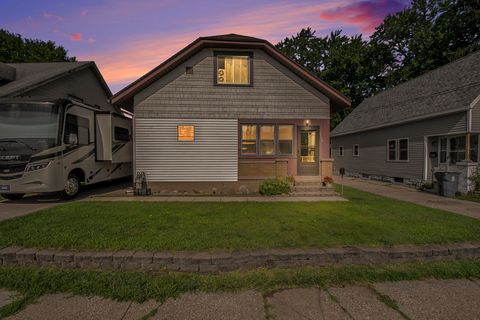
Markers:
point(127, 38)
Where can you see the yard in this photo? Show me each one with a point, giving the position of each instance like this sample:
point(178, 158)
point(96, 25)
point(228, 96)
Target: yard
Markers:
point(366, 219)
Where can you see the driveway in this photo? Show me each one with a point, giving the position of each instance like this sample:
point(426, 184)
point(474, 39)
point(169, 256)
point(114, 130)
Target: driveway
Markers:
point(31, 203)
point(466, 208)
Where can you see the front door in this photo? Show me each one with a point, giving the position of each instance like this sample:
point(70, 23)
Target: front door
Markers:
point(308, 140)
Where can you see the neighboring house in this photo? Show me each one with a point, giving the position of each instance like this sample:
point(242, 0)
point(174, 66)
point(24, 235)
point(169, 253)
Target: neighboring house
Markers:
point(227, 112)
point(407, 133)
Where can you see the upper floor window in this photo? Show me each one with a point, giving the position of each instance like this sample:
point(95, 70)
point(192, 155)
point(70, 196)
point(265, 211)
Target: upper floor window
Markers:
point(233, 69)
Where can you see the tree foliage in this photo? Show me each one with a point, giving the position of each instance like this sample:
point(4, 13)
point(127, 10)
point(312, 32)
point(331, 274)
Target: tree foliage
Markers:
point(422, 37)
point(14, 48)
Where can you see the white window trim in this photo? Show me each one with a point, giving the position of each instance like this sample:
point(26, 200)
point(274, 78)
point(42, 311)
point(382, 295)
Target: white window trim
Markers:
point(342, 152)
point(397, 150)
point(448, 137)
point(353, 150)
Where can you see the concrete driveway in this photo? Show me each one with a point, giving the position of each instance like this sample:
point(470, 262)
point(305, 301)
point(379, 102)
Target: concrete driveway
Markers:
point(32, 203)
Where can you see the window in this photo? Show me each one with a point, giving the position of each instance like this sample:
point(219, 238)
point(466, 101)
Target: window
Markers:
point(457, 149)
point(185, 133)
point(392, 150)
point(267, 140)
point(474, 148)
point(403, 149)
point(121, 134)
point(249, 139)
point(340, 151)
point(285, 139)
point(443, 150)
point(233, 70)
point(76, 130)
point(356, 150)
point(397, 149)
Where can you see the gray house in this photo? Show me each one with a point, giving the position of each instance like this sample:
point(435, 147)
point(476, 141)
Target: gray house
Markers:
point(407, 133)
point(227, 112)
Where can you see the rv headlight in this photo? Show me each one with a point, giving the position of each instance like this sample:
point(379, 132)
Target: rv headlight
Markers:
point(38, 166)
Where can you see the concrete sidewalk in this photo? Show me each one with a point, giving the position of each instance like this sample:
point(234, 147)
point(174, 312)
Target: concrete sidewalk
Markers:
point(429, 299)
point(466, 208)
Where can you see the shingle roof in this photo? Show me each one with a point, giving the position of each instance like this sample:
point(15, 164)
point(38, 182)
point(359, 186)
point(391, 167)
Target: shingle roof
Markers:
point(31, 75)
point(445, 89)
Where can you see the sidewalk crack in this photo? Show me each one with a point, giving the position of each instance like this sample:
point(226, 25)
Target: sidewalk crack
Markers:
point(335, 299)
point(388, 301)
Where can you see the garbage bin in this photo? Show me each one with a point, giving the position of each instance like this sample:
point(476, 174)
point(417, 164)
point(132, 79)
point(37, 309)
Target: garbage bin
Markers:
point(447, 183)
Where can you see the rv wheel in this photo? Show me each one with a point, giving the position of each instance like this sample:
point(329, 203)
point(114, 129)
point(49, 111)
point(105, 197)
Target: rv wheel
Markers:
point(13, 196)
point(72, 186)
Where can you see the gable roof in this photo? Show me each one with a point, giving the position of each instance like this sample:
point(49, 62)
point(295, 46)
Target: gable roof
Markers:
point(447, 89)
point(124, 97)
point(29, 76)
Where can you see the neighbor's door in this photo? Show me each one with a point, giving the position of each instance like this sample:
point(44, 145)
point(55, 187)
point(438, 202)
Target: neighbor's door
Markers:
point(307, 159)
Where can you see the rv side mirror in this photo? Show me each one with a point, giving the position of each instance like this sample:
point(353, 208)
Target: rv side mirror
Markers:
point(73, 139)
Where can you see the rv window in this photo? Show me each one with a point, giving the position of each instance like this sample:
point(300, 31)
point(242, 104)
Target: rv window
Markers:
point(121, 134)
point(76, 130)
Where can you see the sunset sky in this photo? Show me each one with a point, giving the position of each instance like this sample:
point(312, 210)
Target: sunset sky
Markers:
point(128, 38)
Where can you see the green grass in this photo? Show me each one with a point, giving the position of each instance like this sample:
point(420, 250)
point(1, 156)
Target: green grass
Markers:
point(470, 197)
point(366, 219)
point(138, 286)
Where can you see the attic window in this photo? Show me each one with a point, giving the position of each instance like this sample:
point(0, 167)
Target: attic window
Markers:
point(233, 68)
point(189, 70)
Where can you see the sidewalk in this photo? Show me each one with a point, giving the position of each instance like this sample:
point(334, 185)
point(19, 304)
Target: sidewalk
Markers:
point(428, 299)
point(466, 208)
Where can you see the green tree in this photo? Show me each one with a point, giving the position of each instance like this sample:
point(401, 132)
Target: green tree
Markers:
point(13, 48)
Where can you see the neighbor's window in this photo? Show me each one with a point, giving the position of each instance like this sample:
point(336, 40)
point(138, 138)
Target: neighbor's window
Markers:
point(403, 149)
point(267, 140)
point(249, 139)
point(474, 147)
point(121, 134)
point(285, 139)
point(76, 130)
point(233, 70)
point(356, 150)
point(392, 150)
point(340, 151)
point(457, 149)
point(185, 133)
point(443, 150)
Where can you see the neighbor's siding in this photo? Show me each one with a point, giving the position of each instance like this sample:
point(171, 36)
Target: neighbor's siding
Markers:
point(83, 84)
point(476, 118)
point(276, 94)
point(211, 157)
point(373, 147)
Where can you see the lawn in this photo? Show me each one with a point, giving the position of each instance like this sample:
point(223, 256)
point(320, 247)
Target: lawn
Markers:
point(366, 219)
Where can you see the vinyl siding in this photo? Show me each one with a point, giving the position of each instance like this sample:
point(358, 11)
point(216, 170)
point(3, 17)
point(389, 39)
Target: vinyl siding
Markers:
point(276, 93)
point(476, 117)
point(373, 147)
point(83, 84)
point(213, 156)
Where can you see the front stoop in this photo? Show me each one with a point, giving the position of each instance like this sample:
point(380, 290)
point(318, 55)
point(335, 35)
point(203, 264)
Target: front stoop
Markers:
point(306, 186)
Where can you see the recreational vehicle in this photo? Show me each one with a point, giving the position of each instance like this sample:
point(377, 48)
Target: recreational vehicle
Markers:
point(59, 145)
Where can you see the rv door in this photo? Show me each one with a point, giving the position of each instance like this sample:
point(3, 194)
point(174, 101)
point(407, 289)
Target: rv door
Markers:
point(103, 137)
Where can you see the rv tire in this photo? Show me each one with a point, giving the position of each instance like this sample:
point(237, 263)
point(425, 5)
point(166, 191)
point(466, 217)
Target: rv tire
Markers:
point(72, 186)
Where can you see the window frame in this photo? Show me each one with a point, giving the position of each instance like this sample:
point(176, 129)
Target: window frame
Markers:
point(388, 150)
point(397, 149)
point(477, 148)
point(276, 140)
point(448, 149)
point(248, 54)
point(358, 150)
point(256, 140)
point(115, 134)
point(341, 151)
point(78, 135)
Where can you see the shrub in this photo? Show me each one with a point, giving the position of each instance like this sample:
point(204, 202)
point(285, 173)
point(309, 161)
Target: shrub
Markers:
point(271, 187)
point(475, 179)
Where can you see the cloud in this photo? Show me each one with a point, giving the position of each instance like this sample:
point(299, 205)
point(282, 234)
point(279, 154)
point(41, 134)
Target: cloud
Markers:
point(49, 15)
point(84, 13)
point(91, 40)
point(366, 15)
point(76, 37)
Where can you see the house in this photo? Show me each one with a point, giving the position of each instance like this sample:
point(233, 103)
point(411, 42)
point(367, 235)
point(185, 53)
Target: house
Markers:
point(426, 125)
point(227, 112)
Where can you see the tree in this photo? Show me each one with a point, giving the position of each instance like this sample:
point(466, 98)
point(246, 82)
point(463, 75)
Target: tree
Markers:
point(13, 48)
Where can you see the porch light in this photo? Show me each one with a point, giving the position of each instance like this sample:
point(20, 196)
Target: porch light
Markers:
point(307, 122)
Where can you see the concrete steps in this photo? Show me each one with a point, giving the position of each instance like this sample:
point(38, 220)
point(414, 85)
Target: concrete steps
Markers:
point(311, 187)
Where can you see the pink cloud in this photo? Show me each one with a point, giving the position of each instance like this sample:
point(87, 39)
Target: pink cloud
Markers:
point(366, 15)
point(48, 15)
point(91, 40)
point(76, 37)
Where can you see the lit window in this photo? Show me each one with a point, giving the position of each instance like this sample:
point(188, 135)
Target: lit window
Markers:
point(249, 139)
point(285, 139)
point(233, 70)
point(340, 151)
point(267, 140)
point(356, 150)
point(186, 133)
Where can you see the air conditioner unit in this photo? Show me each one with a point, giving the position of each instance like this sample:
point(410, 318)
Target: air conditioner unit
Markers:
point(221, 75)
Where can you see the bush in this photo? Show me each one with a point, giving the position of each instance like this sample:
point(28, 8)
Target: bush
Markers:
point(475, 179)
point(271, 187)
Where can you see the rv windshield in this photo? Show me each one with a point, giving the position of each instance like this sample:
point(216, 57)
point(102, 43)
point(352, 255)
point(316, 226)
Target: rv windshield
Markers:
point(32, 126)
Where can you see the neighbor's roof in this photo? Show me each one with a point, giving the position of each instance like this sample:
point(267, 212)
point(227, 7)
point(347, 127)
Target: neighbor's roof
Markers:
point(32, 75)
point(448, 89)
point(124, 97)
